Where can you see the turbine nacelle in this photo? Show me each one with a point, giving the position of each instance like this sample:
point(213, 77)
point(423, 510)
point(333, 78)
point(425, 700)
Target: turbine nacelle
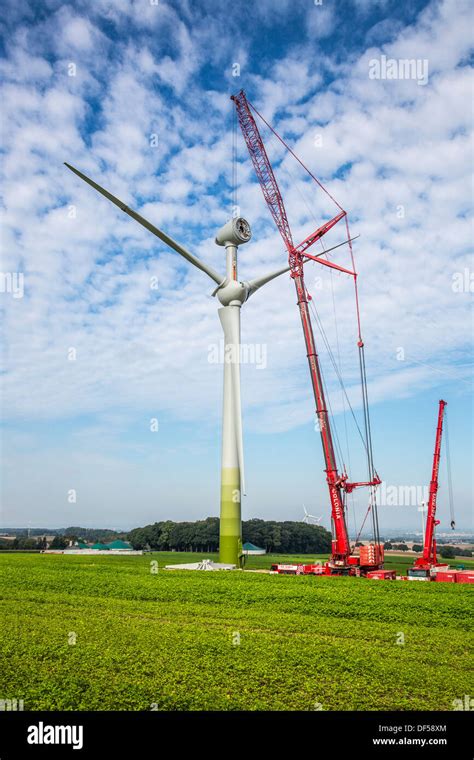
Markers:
point(234, 232)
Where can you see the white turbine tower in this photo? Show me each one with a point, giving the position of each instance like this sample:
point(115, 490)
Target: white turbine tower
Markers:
point(232, 294)
point(307, 517)
point(423, 509)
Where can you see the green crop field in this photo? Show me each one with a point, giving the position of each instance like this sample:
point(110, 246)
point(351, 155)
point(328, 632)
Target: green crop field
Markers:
point(104, 633)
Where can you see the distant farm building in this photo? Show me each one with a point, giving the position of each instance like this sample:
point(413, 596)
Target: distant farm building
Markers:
point(118, 544)
point(249, 548)
point(114, 547)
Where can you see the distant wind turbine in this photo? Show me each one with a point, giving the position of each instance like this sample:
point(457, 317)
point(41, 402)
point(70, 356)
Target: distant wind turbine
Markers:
point(307, 518)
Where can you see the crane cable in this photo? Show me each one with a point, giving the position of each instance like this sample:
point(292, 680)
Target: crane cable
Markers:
point(365, 398)
point(365, 401)
point(338, 374)
point(234, 165)
point(295, 156)
point(363, 523)
point(450, 480)
point(338, 446)
point(311, 213)
point(368, 435)
point(344, 411)
point(349, 468)
point(322, 332)
point(368, 445)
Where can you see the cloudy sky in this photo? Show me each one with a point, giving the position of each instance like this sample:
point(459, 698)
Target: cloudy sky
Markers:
point(104, 329)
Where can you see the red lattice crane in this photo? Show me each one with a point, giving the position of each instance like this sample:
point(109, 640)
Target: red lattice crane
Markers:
point(338, 484)
point(429, 558)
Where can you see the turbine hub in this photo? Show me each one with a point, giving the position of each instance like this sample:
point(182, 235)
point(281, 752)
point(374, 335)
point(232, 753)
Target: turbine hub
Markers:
point(233, 291)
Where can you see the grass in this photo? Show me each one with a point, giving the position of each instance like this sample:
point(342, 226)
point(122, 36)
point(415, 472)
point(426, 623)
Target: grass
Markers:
point(103, 633)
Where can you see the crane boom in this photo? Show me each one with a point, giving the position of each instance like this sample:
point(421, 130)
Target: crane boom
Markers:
point(341, 545)
point(429, 548)
point(263, 168)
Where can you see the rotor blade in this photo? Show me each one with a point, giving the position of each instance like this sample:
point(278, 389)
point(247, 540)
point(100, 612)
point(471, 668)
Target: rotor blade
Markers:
point(151, 227)
point(224, 282)
point(257, 283)
point(230, 321)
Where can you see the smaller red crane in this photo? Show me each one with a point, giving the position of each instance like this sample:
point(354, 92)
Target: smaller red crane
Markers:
point(429, 559)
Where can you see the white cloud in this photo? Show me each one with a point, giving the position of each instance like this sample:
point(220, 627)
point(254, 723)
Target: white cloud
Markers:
point(320, 21)
point(77, 33)
point(87, 277)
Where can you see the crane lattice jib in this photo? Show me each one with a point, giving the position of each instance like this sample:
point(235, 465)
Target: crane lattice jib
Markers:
point(318, 234)
point(263, 168)
point(271, 191)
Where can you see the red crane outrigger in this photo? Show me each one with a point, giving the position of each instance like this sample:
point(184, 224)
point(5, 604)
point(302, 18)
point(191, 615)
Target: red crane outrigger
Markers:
point(342, 559)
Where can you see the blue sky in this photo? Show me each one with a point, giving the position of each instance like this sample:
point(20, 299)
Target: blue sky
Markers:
point(136, 95)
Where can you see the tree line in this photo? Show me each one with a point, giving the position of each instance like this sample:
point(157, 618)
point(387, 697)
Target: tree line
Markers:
point(93, 535)
point(203, 536)
point(30, 543)
point(448, 552)
point(445, 551)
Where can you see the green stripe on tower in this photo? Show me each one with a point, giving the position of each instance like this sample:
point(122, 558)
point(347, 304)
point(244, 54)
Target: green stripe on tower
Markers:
point(230, 539)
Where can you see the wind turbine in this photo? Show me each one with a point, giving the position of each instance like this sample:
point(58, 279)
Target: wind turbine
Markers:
point(232, 294)
point(423, 509)
point(307, 517)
